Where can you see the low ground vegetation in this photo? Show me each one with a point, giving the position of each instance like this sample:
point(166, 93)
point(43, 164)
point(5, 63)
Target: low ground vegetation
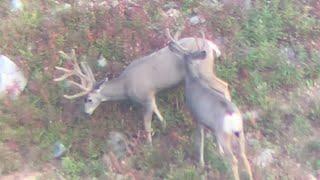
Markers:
point(271, 59)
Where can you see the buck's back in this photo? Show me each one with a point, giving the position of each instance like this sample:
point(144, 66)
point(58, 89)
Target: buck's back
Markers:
point(163, 69)
point(158, 70)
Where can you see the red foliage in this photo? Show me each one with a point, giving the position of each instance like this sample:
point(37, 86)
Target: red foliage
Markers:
point(316, 8)
point(12, 145)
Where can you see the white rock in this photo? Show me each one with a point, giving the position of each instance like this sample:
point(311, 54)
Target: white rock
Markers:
point(16, 5)
point(102, 62)
point(12, 80)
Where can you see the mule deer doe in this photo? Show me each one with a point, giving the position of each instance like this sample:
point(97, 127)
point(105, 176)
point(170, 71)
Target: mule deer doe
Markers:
point(142, 79)
point(211, 109)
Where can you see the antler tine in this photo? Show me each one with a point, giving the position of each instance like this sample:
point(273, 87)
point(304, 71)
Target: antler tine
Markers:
point(76, 65)
point(64, 55)
point(203, 39)
point(169, 35)
point(88, 71)
point(65, 76)
point(78, 85)
point(76, 71)
point(67, 71)
point(174, 40)
point(75, 95)
point(177, 34)
point(82, 71)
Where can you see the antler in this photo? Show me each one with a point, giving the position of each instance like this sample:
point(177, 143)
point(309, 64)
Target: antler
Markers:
point(82, 71)
point(203, 41)
point(174, 40)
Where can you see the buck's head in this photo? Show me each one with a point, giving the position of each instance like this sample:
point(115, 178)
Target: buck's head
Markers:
point(90, 89)
point(191, 58)
point(94, 98)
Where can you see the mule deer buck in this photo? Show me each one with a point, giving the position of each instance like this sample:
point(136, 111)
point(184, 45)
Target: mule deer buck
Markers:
point(142, 79)
point(213, 110)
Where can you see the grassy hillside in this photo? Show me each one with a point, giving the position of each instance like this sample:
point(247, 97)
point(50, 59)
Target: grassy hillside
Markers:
point(271, 59)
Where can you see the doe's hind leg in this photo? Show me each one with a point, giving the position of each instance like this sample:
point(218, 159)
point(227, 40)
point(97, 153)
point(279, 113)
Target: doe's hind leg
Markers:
point(225, 141)
point(243, 155)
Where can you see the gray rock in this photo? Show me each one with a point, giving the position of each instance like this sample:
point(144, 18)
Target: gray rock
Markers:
point(170, 5)
point(244, 4)
point(117, 143)
point(265, 158)
point(289, 52)
point(213, 4)
point(194, 20)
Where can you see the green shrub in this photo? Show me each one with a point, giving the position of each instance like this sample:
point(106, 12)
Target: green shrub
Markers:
point(72, 167)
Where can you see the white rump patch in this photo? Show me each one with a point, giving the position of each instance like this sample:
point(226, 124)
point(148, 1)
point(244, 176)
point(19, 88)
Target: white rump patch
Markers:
point(232, 123)
point(215, 48)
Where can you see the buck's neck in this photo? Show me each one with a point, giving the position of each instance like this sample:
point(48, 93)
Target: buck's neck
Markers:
point(113, 90)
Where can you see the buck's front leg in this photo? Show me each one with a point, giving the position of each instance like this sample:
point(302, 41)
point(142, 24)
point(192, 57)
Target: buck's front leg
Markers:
point(147, 118)
point(199, 144)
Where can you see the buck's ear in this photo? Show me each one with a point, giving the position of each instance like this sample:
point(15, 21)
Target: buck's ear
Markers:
point(98, 84)
point(175, 49)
